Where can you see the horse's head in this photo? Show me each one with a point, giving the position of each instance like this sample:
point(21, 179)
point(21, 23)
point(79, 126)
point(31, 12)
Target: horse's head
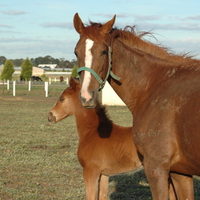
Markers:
point(93, 52)
point(67, 103)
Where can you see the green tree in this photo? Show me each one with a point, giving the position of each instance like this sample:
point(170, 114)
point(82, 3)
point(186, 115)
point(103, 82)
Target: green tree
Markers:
point(74, 72)
point(2, 59)
point(8, 70)
point(26, 71)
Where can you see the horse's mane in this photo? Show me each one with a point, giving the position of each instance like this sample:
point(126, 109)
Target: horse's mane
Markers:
point(105, 123)
point(133, 39)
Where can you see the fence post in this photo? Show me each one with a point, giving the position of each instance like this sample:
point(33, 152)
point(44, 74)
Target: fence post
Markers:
point(67, 81)
point(29, 86)
point(46, 88)
point(14, 88)
point(49, 81)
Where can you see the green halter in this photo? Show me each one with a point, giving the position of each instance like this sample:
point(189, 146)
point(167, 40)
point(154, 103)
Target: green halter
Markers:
point(101, 82)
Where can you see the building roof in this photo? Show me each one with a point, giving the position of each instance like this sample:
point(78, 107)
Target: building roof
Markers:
point(52, 66)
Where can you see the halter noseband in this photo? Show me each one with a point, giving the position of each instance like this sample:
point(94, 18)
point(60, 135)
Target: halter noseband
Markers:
point(109, 72)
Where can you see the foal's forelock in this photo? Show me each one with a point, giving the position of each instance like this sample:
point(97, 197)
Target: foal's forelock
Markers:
point(87, 75)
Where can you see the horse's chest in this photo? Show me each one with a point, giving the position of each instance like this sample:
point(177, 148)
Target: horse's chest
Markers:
point(151, 134)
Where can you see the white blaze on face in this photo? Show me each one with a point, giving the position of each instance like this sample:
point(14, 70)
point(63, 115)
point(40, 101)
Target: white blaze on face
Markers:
point(87, 75)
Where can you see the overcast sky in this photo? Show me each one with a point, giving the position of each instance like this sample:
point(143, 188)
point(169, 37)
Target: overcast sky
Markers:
point(45, 27)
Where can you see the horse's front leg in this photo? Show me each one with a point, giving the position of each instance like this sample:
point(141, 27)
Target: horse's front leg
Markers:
point(183, 186)
point(103, 187)
point(157, 176)
point(91, 177)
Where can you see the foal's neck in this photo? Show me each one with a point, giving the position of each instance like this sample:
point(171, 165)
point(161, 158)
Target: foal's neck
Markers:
point(86, 121)
point(93, 121)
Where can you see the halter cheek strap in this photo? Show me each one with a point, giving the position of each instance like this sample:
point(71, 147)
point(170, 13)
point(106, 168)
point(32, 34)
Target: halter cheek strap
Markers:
point(109, 72)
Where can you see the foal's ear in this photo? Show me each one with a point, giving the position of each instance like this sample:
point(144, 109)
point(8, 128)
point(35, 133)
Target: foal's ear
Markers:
point(107, 27)
point(78, 24)
point(73, 83)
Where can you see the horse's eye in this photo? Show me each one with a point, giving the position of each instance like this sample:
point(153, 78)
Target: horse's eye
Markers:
point(62, 99)
point(103, 52)
point(75, 53)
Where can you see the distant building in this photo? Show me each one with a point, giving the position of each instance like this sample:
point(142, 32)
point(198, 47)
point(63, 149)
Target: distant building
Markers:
point(37, 71)
point(110, 97)
point(51, 66)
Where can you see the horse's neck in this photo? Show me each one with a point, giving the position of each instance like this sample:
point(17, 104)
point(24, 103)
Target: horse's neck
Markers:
point(135, 80)
point(86, 122)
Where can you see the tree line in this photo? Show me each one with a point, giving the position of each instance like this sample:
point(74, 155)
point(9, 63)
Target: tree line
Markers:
point(26, 70)
point(62, 63)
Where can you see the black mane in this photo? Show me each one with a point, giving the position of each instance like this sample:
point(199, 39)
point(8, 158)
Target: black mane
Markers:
point(105, 123)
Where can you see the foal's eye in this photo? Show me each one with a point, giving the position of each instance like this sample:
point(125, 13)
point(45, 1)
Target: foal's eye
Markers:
point(75, 54)
point(62, 99)
point(103, 52)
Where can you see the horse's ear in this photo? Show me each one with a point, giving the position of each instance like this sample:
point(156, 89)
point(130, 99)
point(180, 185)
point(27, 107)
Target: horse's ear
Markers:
point(107, 27)
point(78, 24)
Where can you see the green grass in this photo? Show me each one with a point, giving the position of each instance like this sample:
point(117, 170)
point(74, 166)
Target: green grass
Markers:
point(38, 160)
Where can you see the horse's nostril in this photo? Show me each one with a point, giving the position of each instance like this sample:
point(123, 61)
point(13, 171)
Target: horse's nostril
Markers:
point(51, 117)
point(82, 99)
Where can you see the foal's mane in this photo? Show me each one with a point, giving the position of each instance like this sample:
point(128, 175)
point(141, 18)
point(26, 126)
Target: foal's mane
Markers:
point(105, 123)
point(134, 40)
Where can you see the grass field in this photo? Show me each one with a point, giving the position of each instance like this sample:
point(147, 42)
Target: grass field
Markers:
point(38, 159)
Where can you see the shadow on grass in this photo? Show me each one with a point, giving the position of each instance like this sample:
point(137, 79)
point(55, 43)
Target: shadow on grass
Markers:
point(131, 186)
point(134, 186)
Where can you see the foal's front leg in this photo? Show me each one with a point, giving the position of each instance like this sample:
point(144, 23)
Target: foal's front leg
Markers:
point(103, 187)
point(91, 177)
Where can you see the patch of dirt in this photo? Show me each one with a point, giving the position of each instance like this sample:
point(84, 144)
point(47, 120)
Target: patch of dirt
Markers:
point(28, 98)
point(40, 147)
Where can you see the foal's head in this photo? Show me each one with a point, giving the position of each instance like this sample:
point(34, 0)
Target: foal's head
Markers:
point(67, 103)
point(92, 51)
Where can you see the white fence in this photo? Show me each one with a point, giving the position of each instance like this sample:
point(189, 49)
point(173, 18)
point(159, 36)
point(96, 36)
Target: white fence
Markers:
point(46, 84)
point(7, 84)
point(58, 80)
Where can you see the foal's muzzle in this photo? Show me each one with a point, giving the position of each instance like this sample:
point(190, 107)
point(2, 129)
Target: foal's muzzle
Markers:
point(51, 118)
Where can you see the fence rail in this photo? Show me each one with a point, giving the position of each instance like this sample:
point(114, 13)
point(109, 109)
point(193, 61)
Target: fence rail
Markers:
point(15, 88)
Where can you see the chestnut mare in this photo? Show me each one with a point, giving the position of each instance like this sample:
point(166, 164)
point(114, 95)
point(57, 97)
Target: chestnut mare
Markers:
point(104, 148)
point(161, 90)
